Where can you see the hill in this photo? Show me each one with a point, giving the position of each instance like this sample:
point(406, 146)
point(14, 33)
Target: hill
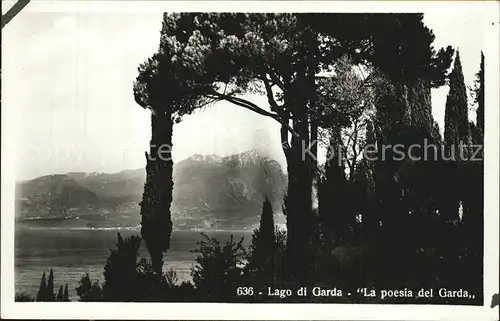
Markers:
point(209, 192)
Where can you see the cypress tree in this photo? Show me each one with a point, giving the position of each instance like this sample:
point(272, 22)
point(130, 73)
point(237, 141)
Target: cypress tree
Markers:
point(479, 95)
point(267, 223)
point(156, 219)
point(456, 113)
point(371, 138)
point(453, 198)
point(50, 286)
point(66, 293)
point(473, 217)
point(40, 296)
point(120, 271)
point(59, 297)
point(263, 238)
point(262, 249)
point(456, 131)
point(363, 183)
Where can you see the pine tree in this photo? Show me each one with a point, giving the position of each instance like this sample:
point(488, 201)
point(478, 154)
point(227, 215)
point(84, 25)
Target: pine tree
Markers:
point(59, 297)
point(285, 52)
point(66, 293)
point(41, 295)
point(167, 107)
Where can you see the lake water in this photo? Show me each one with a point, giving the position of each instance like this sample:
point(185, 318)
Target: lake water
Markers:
point(73, 252)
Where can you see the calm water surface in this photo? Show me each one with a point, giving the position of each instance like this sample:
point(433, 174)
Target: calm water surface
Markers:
point(73, 252)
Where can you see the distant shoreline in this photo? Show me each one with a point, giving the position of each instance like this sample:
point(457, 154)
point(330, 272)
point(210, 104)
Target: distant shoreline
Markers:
point(125, 228)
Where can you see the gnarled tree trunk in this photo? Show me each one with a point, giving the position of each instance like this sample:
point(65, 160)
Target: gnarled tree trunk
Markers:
point(157, 197)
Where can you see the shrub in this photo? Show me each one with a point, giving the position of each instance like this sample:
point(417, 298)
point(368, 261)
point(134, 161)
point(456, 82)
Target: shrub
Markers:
point(89, 290)
point(23, 297)
point(218, 269)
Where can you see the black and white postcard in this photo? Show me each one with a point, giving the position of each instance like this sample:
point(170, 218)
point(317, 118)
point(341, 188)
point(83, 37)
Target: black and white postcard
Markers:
point(266, 160)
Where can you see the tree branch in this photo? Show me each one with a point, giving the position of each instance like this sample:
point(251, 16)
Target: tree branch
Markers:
point(284, 116)
point(270, 95)
point(139, 102)
point(277, 81)
point(285, 145)
point(354, 145)
point(251, 106)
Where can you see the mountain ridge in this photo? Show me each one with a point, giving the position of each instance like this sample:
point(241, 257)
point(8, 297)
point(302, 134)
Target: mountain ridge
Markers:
point(210, 191)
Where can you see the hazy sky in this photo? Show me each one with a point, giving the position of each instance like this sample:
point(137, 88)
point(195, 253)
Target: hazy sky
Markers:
point(67, 81)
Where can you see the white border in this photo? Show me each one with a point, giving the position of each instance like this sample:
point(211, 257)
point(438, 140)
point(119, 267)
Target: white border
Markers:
point(207, 311)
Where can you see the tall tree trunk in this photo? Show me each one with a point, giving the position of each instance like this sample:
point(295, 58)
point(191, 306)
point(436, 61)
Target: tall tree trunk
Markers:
point(299, 203)
point(314, 152)
point(301, 166)
point(334, 213)
point(157, 197)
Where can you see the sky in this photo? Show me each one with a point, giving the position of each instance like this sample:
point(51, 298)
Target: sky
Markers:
point(67, 83)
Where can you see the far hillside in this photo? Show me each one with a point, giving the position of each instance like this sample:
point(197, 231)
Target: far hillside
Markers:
point(210, 192)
